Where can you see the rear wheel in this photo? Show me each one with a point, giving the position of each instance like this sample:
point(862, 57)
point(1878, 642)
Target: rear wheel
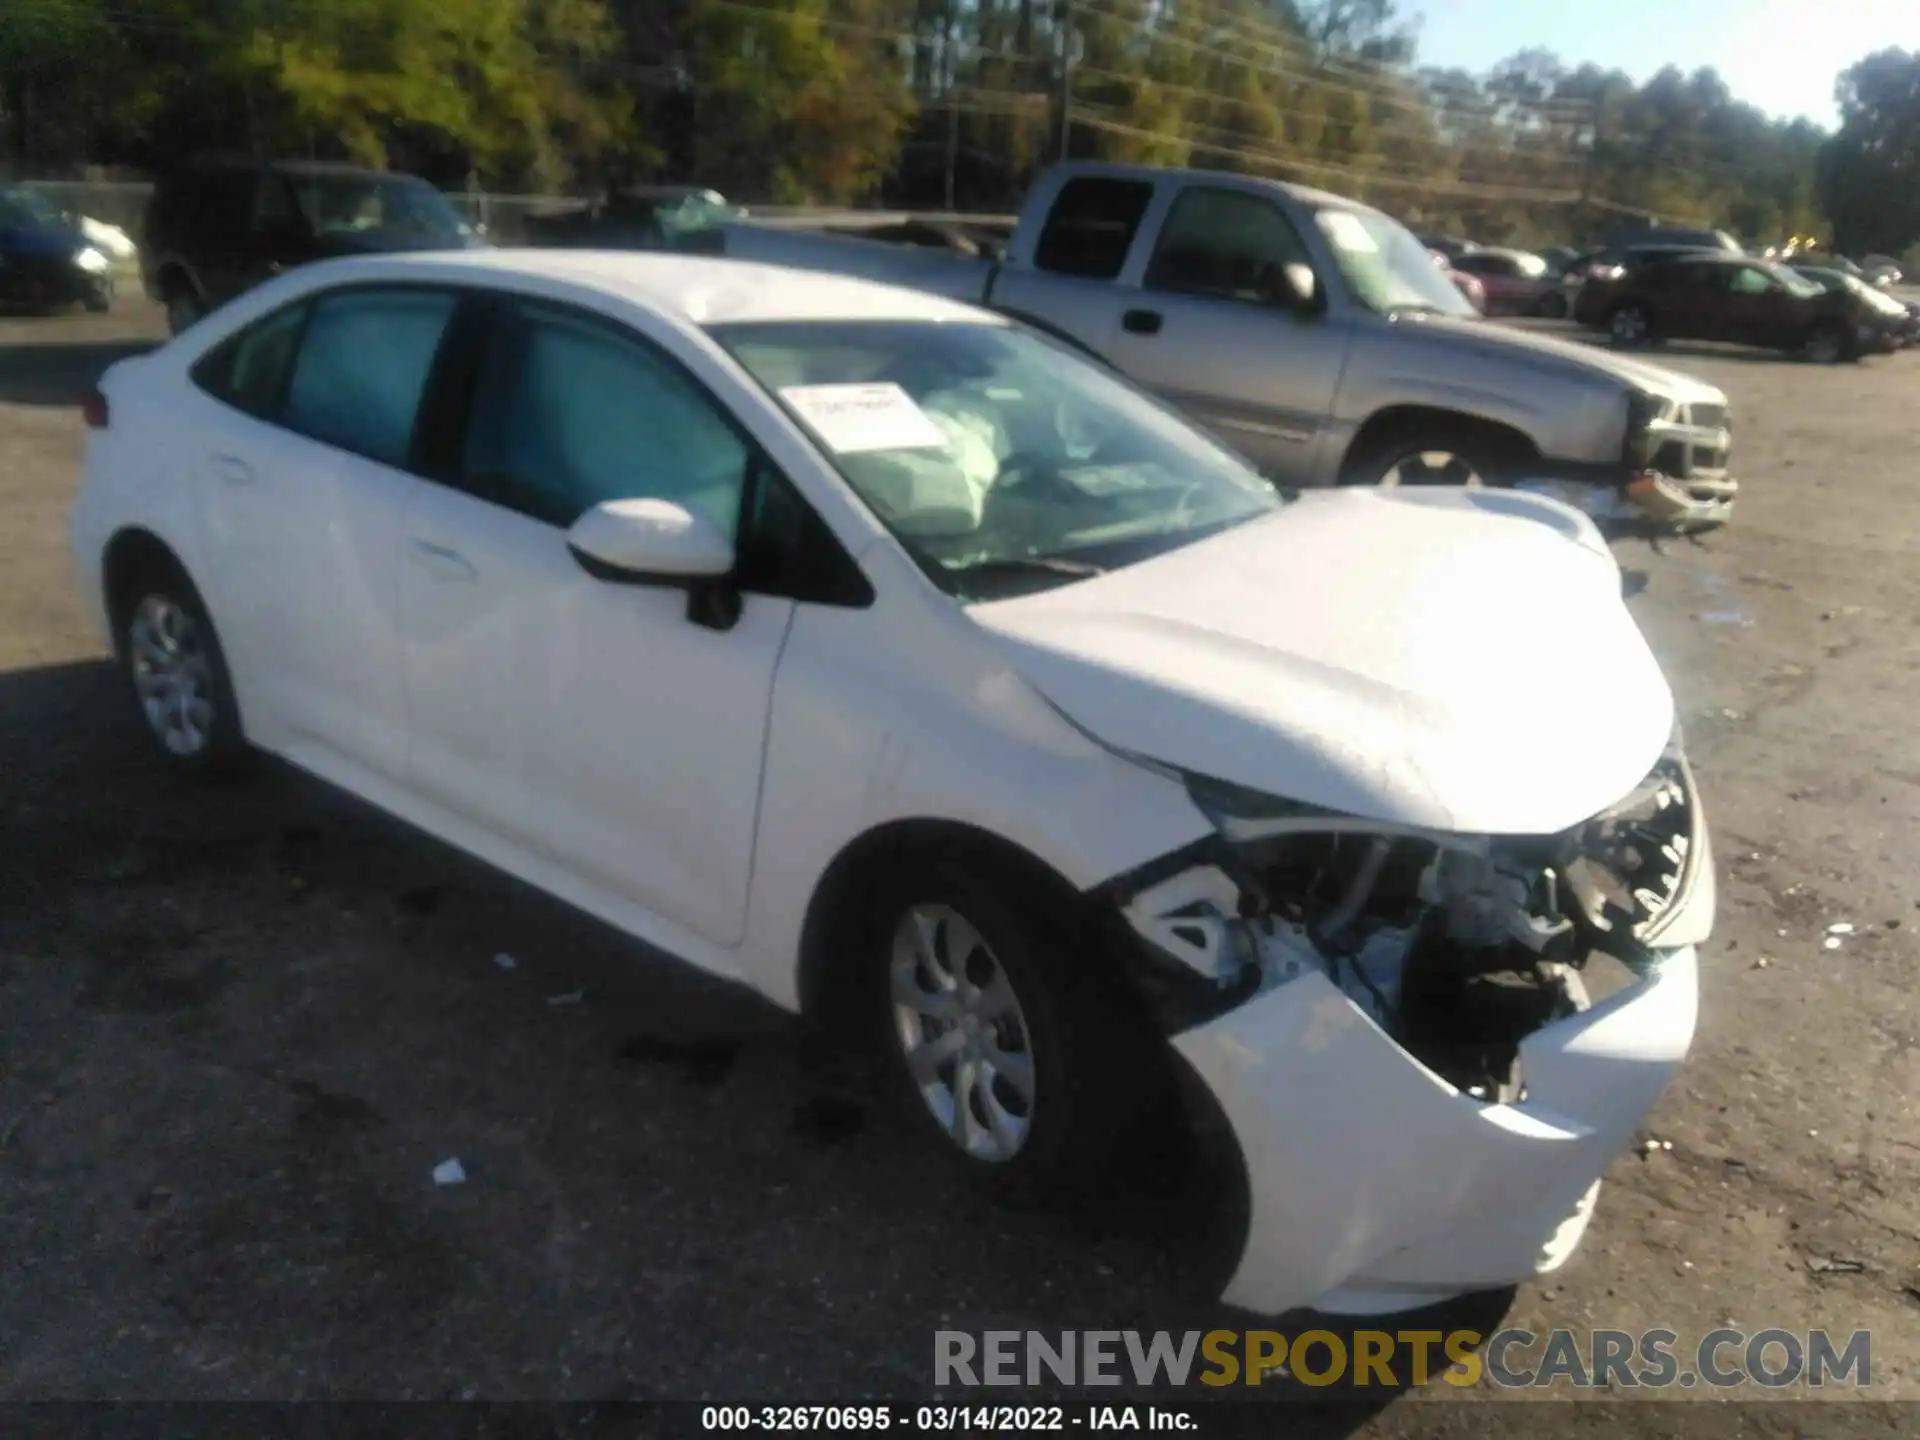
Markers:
point(1552, 306)
point(184, 305)
point(178, 673)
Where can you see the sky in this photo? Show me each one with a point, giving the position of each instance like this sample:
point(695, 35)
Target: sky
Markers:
point(1781, 55)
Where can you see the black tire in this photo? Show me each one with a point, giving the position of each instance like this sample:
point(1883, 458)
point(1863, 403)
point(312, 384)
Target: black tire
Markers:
point(213, 742)
point(1553, 306)
point(1093, 1057)
point(184, 305)
point(1473, 453)
point(1631, 324)
point(1828, 342)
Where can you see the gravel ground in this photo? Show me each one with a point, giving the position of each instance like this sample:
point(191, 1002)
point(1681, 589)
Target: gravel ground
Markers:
point(239, 1028)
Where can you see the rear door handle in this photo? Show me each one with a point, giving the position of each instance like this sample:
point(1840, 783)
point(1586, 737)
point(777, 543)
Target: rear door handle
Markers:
point(233, 470)
point(441, 562)
point(1141, 322)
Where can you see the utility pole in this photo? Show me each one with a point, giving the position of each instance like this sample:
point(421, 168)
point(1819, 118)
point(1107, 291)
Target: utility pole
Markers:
point(1066, 81)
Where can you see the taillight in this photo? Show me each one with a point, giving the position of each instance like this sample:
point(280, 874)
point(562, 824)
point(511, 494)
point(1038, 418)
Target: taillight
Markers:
point(94, 408)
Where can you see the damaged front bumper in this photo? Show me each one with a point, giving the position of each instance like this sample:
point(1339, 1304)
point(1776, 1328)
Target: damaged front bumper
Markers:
point(1699, 502)
point(1400, 1040)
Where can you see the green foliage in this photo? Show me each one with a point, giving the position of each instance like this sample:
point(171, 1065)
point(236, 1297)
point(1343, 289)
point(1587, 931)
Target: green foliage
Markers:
point(1870, 172)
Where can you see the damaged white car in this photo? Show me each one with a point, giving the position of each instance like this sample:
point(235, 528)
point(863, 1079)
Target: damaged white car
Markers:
point(892, 660)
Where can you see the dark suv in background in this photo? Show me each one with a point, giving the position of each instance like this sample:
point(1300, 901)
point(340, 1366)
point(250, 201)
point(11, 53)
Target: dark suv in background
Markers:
point(216, 227)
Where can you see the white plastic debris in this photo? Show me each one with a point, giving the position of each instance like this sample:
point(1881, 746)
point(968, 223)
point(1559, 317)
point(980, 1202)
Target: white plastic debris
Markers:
point(450, 1172)
point(504, 961)
point(1666, 1144)
point(571, 997)
point(1832, 942)
point(1761, 963)
point(1840, 927)
point(1652, 1147)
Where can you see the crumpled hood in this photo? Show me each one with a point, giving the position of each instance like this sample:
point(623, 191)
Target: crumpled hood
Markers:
point(1532, 348)
point(1460, 660)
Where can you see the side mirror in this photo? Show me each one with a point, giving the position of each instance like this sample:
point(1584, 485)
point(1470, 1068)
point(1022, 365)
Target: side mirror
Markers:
point(655, 542)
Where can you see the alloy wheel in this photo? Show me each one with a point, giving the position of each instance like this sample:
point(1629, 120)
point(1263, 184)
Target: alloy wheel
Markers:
point(1629, 325)
point(172, 675)
point(1433, 467)
point(962, 1032)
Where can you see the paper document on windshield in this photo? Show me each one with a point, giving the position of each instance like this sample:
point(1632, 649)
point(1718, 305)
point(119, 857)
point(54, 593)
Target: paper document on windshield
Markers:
point(856, 419)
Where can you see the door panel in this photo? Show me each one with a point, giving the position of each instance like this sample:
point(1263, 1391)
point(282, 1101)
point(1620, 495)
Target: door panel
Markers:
point(589, 721)
point(1227, 350)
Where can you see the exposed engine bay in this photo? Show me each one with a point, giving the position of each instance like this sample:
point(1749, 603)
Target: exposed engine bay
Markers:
point(1458, 946)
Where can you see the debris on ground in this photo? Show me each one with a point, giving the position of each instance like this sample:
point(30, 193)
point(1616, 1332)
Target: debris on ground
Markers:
point(504, 961)
point(1840, 927)
point(1832, 942)
point(1836, 1266)
point(1761, 963)
point(450, 1172)
point(570, 997)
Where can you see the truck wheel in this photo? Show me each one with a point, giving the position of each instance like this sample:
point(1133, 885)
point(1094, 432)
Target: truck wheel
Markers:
point(184, 305)
point(1436, 456)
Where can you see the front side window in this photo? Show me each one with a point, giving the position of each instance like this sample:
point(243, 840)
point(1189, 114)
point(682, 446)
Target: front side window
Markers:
point(1225, 243)
point(1385, 268)
point(363, 366)
point(250, 370)
point(1748, 281)
point(572, 412)
point(399, 206)
point(1001, 462)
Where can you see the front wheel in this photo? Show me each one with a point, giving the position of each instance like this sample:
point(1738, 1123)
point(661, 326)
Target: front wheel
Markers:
point(184, 307)
point(1630, 325)
point(1022, 1061)
point(1828, 343)
point(1439, 456)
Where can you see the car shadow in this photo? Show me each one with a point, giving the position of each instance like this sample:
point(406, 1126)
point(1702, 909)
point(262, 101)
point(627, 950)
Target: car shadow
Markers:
point(274, 916)
point(59, 373)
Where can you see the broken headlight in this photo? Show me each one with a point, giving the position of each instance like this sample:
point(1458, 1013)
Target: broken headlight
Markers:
point(1457, 945)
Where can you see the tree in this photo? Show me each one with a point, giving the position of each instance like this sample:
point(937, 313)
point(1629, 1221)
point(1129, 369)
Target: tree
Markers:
point(1869, 175)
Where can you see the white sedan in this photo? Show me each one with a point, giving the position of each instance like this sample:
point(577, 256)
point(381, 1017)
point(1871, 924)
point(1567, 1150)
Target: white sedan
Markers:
point(883, 656)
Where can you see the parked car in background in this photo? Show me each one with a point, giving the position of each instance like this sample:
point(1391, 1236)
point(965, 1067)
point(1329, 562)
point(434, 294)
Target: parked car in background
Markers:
point(1882, 270)
point(648, 217)
point(1451, 246)
point(46, 260)
point(217, 227)
point(1636, 237)
point(1317, 336)
point(1738, 299)
point(1899, 320)
point(1558, 258)
point(923, 675)
point(109, 240)
point(1516, 282)
point(1467, 285)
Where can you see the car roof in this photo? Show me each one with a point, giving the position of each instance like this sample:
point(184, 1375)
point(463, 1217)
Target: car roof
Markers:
point(291, 167)
point(698, 290)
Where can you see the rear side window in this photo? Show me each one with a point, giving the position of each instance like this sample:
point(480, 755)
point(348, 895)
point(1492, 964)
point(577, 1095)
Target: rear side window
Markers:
point(362, 367)
point(1091, 227)
point(222, 207)
point(249, 371)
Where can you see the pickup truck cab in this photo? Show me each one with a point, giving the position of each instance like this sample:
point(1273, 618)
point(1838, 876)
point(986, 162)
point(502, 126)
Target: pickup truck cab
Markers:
point(1315, 335)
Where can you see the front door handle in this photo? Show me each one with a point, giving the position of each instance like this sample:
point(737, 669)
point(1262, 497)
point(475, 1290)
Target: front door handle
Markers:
point(1141, 322)
point(441, 562)
point(233, 470)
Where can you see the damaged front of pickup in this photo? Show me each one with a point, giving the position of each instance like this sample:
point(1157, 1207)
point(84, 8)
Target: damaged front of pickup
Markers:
point(1397, 1027)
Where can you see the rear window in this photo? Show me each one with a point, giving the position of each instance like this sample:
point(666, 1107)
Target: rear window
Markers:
point(1091, 227)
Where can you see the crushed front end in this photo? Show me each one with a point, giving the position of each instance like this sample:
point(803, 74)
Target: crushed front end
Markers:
point(1673, 474)
point(1398, 1028)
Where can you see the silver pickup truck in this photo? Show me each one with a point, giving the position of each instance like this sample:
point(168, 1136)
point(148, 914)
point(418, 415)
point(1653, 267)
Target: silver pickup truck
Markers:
point(1318, 338)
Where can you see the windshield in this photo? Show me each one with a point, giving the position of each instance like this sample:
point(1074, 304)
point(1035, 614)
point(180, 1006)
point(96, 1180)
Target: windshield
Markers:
point(27, 208)
point(1796, 283)
point(382, 204)
point(1002, 462)
point(1385, 267)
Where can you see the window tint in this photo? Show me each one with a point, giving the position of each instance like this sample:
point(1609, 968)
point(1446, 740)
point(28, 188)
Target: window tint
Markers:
point(1091, 227)
point(274, 211)
point(223, 209)
point(1225, 243)
point(362, 367)
point(571, 413)
point(250, 370)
